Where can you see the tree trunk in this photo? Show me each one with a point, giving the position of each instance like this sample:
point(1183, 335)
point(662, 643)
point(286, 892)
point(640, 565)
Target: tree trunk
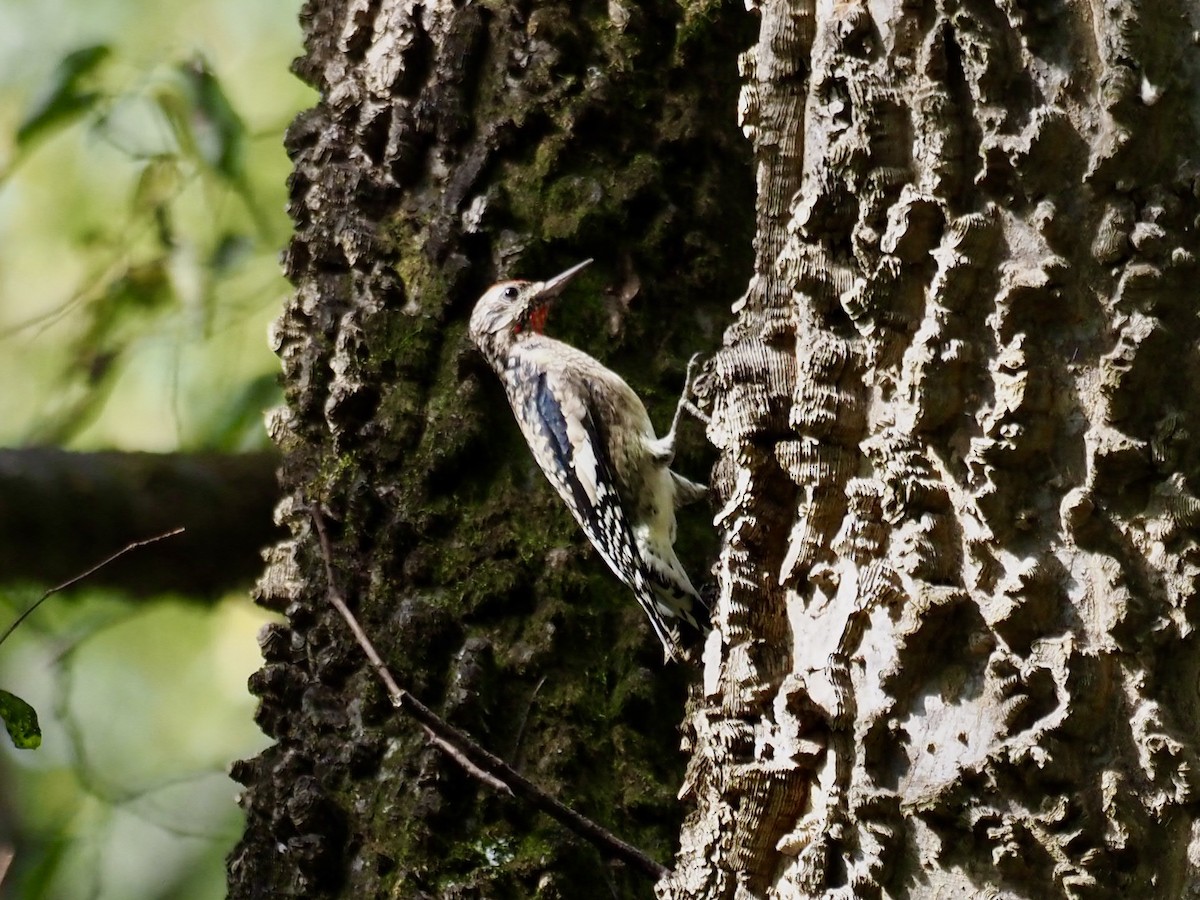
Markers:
point(455, 144)
point(955, 493)
point(955, 410)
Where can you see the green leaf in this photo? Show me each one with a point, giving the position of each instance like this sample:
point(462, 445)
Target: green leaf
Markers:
point(21, 721)
point(139, 287)
point(157, 185)
point(219, 131)
point(114, 314)
point(231, 251)
point(64, 97)
point(175, 108)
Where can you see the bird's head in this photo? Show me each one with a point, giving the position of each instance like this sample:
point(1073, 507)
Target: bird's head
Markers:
point(510, 308)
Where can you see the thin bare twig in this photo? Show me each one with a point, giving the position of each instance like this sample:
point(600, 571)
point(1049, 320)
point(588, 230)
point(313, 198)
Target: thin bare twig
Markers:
point(516, 753)
point(462, 748)
point(82, 575)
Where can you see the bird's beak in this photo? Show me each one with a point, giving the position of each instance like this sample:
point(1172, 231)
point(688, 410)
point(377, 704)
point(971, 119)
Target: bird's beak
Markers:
point(539, 303)
point(553, 286)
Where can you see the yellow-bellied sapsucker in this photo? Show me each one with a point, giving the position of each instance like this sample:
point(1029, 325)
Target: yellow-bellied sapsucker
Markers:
point(592, 437)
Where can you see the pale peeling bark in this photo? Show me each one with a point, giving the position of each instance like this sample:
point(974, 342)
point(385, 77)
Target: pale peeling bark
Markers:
point(957, 413)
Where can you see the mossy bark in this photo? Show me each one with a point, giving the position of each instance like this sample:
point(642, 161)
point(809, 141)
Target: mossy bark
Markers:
point(455, 144)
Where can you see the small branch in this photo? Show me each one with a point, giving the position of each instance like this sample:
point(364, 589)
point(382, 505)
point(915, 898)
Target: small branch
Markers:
point(516, 752)
point(82, 575)
point(462, 748)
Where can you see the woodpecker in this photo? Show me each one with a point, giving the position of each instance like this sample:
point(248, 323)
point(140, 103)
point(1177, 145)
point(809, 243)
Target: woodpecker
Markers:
point(593, 439)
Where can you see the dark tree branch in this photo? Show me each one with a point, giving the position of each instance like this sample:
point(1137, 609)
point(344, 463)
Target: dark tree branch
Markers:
point(60, 510)
point(462, 748)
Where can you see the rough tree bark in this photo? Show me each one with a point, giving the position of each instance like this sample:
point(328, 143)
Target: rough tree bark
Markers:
point(456, 143)
point(954, 652)
point(958, 473)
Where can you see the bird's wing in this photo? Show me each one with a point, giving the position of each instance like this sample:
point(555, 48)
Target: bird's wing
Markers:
point(577, 464)
point(569, 446)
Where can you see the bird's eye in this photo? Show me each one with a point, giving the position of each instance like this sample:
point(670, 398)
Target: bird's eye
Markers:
point(510, 293)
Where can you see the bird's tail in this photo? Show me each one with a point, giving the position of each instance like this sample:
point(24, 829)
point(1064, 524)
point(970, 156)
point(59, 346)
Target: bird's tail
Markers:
point(673, 621)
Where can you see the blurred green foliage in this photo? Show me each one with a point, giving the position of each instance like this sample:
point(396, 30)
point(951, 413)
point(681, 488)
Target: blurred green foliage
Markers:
point(142, 710)
point(141, 217)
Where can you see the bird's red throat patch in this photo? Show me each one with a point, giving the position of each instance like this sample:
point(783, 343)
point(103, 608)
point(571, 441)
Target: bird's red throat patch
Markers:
point(537, 319)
